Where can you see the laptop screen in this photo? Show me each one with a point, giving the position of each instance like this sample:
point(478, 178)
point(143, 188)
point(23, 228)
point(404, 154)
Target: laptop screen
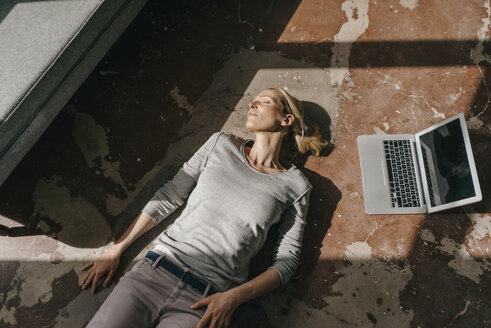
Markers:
point(446, 165)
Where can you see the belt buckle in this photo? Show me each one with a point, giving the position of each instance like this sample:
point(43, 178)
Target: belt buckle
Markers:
point(183, 275)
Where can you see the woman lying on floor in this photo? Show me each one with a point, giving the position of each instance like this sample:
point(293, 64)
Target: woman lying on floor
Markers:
point(197, 271)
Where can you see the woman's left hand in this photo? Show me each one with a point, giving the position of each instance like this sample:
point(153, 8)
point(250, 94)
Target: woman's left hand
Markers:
point(220, 307)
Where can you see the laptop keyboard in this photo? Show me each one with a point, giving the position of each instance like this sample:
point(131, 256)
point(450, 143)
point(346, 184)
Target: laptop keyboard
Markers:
point(402, 178)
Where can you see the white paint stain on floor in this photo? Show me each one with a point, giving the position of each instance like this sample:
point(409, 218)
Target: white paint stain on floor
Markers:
point(36, 281)
point(355, 196)
point(427, 235)
point(32, 283)
point(181, 101)
point(481, 225)
point(474, 123)
point(358, 251)
point(478, 53)
point(463, 263)
point(479, 239)
point(33, 279)
point(452, 98)
point(378, 130)
point(348, 33)
point(409, 4)
point(7, 316)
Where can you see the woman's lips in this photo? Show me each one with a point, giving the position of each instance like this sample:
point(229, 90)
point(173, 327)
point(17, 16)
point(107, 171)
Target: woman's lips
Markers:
point(252, 114)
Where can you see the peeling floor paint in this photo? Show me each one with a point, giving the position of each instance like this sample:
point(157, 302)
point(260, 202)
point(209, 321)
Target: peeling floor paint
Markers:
point(90, 137)
point(478, 241)
point(35, 281)
point(92, 140)
point(181, 101)
point(32, 284)
point(378, 130)
point(464, 264)
point(452, 98)
point(355, 196)
point(409, 4)
point(115, 205)
point(427, 235)
point(474, 123)
point(358, 251)
point(481, 225)
point(478, 54)
point(348, 33)
point(367, 294)
point(82, 223)
point(7, 316)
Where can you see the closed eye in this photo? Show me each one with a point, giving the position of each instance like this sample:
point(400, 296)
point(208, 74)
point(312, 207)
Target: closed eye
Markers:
point(263, 100)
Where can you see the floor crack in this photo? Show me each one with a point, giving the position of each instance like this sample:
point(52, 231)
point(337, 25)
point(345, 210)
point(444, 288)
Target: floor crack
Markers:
point(397, 87)
point(373, 230)
point(467, 302)
point(489, 93)
point(240, 21)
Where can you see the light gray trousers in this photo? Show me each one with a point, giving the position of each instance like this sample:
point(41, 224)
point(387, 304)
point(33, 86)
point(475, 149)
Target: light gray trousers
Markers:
point(149, 296)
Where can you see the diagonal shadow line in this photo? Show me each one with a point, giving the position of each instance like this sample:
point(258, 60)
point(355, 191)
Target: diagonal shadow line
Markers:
point(385, 53)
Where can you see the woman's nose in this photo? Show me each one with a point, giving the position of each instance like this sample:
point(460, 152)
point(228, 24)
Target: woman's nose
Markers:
point(252, 105)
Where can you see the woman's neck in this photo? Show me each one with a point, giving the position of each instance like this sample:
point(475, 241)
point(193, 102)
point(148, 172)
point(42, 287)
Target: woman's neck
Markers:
point(265, 152)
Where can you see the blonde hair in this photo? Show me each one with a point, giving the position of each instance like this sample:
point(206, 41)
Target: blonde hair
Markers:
point(305, 133)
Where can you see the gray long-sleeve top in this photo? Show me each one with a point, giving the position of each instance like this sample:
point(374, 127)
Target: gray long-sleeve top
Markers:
point(230, 209)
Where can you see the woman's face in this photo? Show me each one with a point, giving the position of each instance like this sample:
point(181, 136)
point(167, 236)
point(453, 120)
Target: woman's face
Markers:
point(266, 112)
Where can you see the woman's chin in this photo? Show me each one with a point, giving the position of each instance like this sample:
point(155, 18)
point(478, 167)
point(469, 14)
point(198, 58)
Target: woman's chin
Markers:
point(249, 126)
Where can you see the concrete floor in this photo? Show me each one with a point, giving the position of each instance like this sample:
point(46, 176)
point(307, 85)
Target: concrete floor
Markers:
point(184, 70)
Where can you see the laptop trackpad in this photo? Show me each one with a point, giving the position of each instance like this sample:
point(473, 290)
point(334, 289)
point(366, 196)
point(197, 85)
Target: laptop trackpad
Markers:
point(373, 173)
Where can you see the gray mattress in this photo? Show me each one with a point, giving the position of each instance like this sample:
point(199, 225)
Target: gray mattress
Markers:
point(47, 49)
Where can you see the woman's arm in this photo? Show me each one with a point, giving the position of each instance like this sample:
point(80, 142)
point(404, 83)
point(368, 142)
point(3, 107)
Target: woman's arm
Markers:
point(221, 306)
point(109, 261)
point(286, 254)
point(165, 201)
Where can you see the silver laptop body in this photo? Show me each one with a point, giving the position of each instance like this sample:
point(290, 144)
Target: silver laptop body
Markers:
point(430, 171)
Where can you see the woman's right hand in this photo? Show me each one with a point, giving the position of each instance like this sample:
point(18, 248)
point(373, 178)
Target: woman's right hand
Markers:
point(107, 263)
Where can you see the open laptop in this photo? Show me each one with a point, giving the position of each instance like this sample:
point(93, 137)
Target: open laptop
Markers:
point(429, 171)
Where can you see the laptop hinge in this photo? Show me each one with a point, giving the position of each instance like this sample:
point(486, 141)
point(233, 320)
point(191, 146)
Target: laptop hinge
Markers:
point(419, 175)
